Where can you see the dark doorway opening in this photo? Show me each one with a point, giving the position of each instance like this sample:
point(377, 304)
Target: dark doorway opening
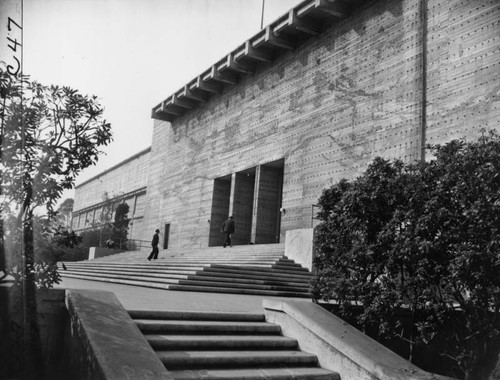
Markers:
point(220, 209)
point(253, 196)
point(268, 203)
point(243, 200)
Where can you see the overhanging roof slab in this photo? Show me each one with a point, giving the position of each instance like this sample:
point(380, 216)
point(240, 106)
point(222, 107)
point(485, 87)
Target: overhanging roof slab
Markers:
point(306, 19)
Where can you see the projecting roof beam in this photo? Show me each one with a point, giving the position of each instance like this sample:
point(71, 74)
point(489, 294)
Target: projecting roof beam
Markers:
point(193, 96)
point(224, 77)
point(302, 24)
point(238, 66)
point(173, 110)
point(207, 87)
point(335, 8)
point(163, 116)
point(167, 106)
point(276, 41)
point(256, 54)
point(181, 103)
point(159, 112)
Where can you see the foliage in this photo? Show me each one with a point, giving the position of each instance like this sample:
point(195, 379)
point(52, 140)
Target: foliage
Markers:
point(95, 238)
point(120, 225)
point(49, 134)
point(64, 212)
point(423, 237)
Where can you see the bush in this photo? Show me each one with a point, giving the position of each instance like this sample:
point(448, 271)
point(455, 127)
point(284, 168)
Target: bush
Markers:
point(425, 238)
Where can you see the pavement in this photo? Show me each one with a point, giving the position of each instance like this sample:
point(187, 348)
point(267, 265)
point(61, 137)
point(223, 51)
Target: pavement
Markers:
point(140, 298)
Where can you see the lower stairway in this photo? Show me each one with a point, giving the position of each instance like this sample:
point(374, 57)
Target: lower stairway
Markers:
point(252, 269)
point(216, 346)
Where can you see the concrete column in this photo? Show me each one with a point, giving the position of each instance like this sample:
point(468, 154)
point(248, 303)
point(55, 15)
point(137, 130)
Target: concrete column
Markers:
point(231, 196)
point(255, 204)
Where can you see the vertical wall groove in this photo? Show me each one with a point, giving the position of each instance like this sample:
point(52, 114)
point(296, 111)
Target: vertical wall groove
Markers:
point(423, 120)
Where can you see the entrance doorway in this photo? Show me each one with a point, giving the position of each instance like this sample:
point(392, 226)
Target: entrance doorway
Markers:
point(268, 203)
point(253, 196)
point(220, 209)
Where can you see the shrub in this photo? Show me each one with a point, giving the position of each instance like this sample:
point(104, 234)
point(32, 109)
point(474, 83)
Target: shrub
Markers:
point(422, 237)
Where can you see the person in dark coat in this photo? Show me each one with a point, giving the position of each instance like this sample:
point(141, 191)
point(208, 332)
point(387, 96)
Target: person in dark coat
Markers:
point(228, 229)
point(154, 243)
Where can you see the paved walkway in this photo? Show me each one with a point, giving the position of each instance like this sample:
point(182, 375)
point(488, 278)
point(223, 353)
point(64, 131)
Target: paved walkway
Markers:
point(139, 298)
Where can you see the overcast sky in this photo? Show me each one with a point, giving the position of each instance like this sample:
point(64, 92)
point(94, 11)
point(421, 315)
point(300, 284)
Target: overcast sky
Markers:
point(133, 54)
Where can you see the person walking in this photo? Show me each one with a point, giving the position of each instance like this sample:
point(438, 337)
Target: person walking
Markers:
point(154, 243)
point(228, 229)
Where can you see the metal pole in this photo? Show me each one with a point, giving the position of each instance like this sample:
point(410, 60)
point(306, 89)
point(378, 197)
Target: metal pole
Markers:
point(262, 15)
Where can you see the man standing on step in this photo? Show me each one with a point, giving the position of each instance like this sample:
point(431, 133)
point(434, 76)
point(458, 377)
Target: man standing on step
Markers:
point(154, 243)
point(228, 229)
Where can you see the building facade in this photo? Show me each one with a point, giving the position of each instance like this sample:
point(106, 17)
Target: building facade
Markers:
point(312, 99)
point(97, 198)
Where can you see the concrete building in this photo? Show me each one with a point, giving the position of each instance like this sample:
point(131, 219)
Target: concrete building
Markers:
point(99, 196)
point(310, 99)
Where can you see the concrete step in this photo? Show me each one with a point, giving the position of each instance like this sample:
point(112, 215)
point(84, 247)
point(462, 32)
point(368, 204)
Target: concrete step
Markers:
point(220, 342)
point(223, 271)
point(150, 274)
point(250, 270)
point(248, 250)
point(300, 280)
point(173, 284)
point(213, 345)
point(196, 315)
point(144, 284)
point(159, 326)
point(244, 285)
point(172, 279)
point(250, 291)
point(235, 358)
point(257, 270)
point(195, 275)
point(262, 280)
point(287, 373)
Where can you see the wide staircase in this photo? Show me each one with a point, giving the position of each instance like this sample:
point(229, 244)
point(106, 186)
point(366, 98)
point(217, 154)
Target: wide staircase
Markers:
point(208, 345)
point(252, 269)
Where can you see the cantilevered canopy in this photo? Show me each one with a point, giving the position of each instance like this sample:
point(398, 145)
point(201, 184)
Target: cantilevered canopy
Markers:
point(308, 18)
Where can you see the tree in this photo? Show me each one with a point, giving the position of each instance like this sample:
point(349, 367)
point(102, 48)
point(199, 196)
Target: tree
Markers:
point(65, 212)
point(120, 225)
point(423, 238)
point(49, 134)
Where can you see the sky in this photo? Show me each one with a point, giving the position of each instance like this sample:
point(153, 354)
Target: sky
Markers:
point(132, 54)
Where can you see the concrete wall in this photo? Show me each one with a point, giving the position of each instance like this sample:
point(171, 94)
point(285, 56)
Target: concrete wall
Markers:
point(360, 89)
point(123, 182)
point(129, 175)
point(339, 346)
point(299, 246)
point(104, 343)
point(96, 252)
point(329, 107)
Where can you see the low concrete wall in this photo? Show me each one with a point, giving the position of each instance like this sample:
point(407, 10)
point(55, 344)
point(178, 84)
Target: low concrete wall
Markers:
point(95, 252)
point(339, 346)
point(105, 343)
point(299, 246)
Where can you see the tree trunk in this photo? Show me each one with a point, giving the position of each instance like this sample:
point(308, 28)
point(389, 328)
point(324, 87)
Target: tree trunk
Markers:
point(33, 360)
